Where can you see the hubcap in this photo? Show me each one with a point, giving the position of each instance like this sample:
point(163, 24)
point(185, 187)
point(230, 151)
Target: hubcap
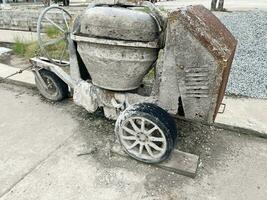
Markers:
point(143, 138)
point(51, 88)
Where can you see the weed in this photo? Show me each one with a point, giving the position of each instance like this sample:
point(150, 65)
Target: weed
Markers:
point(25, 48)
point(19, 47)
point(52, 31)
point(30, 49)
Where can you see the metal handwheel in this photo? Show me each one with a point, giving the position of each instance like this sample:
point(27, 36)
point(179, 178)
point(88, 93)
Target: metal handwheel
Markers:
point(53, 29)
point(146, 132)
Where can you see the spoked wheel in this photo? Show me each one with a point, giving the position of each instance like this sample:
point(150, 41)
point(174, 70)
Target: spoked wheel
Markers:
point(53, 29)
point(146, 132)
point(51, 86)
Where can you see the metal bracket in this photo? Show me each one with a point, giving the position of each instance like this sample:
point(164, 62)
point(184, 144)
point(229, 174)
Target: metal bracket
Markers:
point(17, 72)
point(223, 105)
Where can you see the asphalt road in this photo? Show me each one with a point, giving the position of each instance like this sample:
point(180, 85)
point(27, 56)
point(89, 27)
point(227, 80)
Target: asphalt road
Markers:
point(59, 151)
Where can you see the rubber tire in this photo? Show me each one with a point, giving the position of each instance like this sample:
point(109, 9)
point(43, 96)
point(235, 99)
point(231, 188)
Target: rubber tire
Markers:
point(61, 87)
point(157, 115)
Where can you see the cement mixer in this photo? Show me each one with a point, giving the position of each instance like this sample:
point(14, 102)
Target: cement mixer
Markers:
point(141, 65)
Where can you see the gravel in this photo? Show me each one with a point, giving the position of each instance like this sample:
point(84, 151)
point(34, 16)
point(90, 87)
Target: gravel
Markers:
point(248, 75)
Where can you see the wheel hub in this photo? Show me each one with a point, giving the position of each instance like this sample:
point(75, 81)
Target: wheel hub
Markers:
point(142, 137)
point(51, 89)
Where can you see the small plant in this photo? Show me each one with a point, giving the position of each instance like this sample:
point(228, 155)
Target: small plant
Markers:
point(29, 49)
point(25, 48)
point(52, 31)
point(57, 49)
point(19, 47)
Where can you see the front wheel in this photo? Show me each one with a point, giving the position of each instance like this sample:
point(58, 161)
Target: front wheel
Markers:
point(146, 132)
point(52, 88)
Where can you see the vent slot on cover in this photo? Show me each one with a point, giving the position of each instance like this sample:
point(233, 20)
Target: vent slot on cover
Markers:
point(197, 82)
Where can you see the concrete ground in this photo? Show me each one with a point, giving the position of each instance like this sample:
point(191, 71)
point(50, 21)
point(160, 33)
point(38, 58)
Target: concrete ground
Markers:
point(59, 151)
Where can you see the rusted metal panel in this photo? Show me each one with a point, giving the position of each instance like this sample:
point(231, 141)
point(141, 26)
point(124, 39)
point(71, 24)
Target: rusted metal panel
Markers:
point(225, 76)
point(215, 37)
point(208, 29)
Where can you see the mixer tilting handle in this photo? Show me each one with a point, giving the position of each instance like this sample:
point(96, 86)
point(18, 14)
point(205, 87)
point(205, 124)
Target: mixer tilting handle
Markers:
point(52, 36)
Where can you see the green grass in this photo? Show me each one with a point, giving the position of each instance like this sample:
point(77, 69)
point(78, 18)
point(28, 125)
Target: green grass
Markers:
point(19, 47)
point(52, 31)
point(25, 48)
point(29, 49)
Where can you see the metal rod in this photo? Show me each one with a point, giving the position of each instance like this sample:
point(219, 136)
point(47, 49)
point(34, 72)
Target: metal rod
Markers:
point(17, 72)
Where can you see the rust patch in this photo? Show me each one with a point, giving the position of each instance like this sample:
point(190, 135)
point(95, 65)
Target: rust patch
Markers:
point(208, 29)
point(225, 76)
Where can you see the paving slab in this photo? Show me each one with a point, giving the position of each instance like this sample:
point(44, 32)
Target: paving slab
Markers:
point(245, 113)
point(28, 134)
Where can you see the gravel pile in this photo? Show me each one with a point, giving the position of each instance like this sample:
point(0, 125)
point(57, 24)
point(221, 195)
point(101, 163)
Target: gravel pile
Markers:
point(248, 75)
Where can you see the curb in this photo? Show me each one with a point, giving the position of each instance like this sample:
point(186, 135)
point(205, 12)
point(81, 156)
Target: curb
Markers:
point(242, 130)
point(18, 83)
point(9, 36)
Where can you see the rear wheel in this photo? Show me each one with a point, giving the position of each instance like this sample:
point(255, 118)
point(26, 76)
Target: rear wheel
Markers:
point(146, 132)
point(55, 89)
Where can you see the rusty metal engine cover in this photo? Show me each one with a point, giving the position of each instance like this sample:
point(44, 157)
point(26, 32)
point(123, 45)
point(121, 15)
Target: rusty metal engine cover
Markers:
point(220, 43)
point(200, 49)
